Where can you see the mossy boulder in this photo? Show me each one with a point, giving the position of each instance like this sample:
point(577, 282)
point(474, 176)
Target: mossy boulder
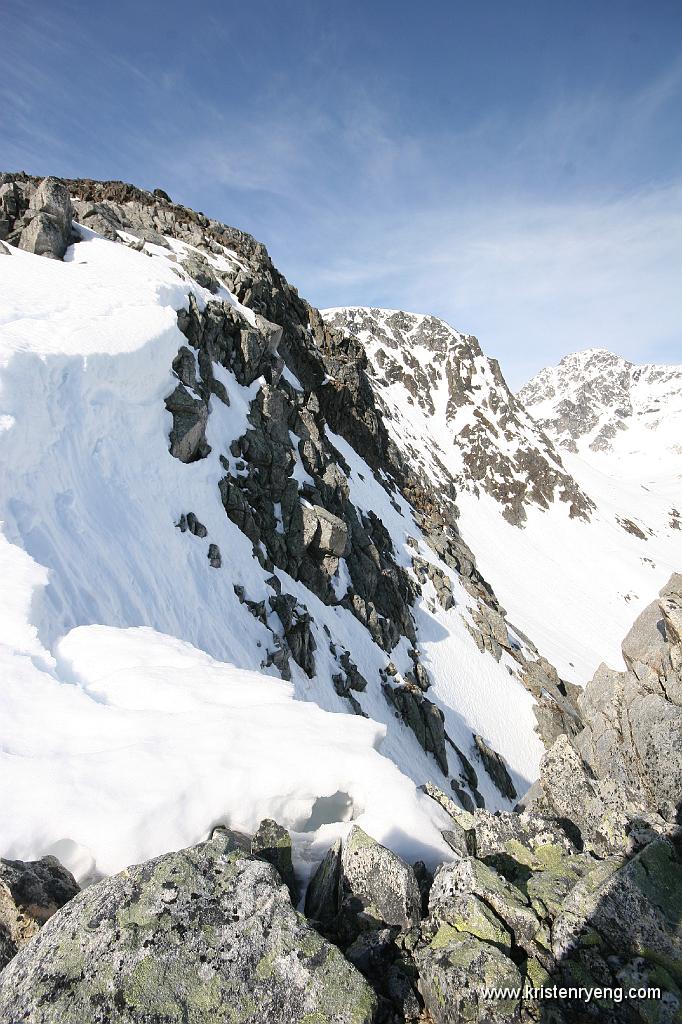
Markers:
point(203, 936)
point(454, 973)
point(470, 877)
point(361, 885)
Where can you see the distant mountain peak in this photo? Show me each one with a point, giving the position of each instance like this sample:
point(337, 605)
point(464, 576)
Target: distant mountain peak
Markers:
point(596, 401)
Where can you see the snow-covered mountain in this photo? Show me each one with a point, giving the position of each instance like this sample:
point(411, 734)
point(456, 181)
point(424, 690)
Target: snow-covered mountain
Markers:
point(624, 419)
point(227, 594)
point(571, 548)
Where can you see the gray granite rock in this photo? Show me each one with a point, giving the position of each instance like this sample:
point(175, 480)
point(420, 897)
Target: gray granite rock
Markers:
point(206, 935)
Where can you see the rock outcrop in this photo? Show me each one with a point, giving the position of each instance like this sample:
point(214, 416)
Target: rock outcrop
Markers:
point(38, 220)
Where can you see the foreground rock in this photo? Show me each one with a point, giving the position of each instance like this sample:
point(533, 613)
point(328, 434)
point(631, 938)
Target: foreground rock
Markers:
point(206, 934)
point(362, 886)
point(30, 893)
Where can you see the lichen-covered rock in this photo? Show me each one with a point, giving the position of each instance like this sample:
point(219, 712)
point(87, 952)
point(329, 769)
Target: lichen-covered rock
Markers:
point(450, 901)
point(507, 837)
point(455, 968)
point(272, 843)
point(30, 893)
point(203, 936)
point(634, 906)
point(361, 886)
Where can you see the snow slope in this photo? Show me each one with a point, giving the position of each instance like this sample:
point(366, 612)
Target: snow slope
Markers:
point(573, 551)
point(134, 709)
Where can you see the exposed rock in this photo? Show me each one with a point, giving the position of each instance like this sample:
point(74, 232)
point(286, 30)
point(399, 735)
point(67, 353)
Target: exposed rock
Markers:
point(188, 434)
point(199, 269)
point(272, 843)
point(623, 770)
point(47, 230)
point(323, 530)
point(189, 522)
point(489, 630)
point(472, 897)
point(4, 251)
point(323, 895)
point(453, 971)
point(30, 893)
point(422, 717)
point(185, 367)
point(214, 557)
point(206, 934)
point(528, 840)
point(363, 886)
point(296, 623)
point(496, 768)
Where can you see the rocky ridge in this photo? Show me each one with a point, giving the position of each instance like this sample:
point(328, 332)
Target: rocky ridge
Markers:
point(580, 888)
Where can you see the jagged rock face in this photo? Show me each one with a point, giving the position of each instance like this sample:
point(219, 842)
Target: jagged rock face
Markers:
point(208, 933)
point(591, 397)
point(438, 384)
point(623, 770)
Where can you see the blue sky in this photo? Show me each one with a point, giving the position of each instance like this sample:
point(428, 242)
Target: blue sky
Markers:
point(514, 167)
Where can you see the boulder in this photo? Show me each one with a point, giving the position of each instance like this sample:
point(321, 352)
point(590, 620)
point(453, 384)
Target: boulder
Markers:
point(498, 904)
point(30, 893)
point(198, 268)
point(363, 886)
point(49, 216)
point(206, 935)
point(188, 433)
point(453, 971)
point(324, 531)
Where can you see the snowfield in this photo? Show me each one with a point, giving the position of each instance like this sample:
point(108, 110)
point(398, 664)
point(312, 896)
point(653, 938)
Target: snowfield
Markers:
point(134, 711)
point(139, 743)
